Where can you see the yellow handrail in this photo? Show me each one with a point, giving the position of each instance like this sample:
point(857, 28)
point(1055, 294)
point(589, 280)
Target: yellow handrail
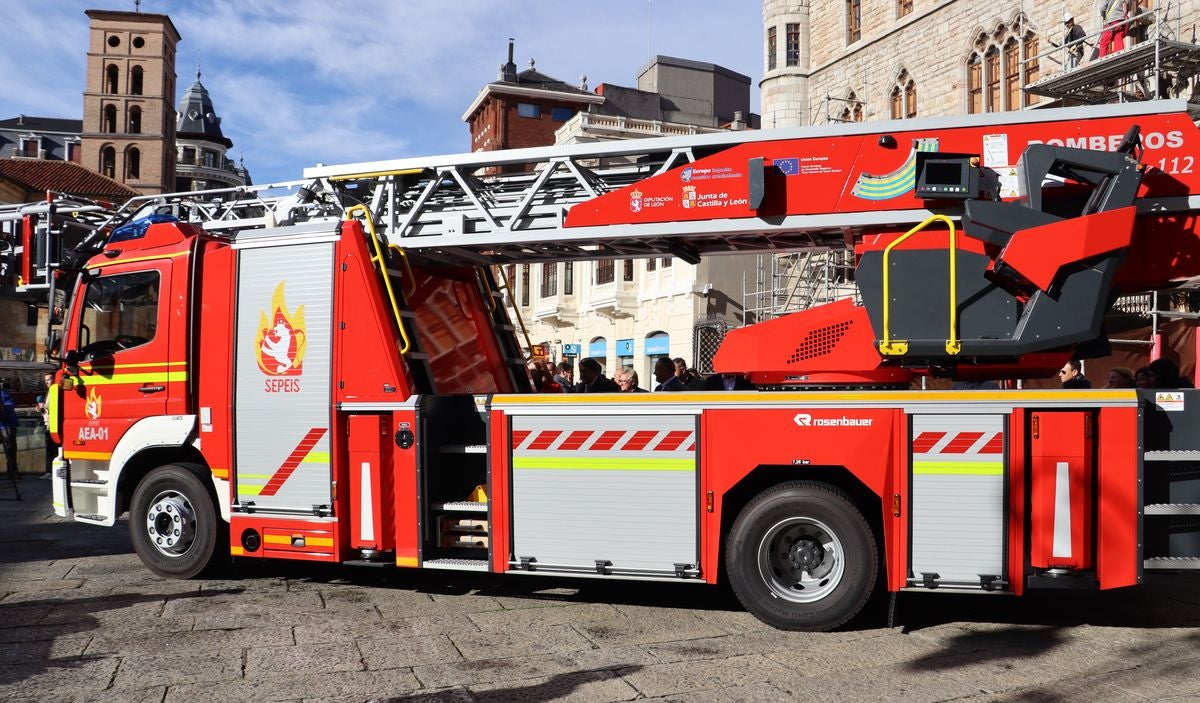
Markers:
point(485, 289)
point(890, 347)
point(410, 281)
point(516, 310)
point(387, 280)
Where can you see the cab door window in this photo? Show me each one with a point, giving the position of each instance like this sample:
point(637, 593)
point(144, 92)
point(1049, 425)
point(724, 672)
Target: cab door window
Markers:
point(119, 312)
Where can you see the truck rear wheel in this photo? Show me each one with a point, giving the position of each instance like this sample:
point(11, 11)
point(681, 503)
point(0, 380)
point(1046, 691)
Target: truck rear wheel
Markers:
point(801, 556)
point(173, 522)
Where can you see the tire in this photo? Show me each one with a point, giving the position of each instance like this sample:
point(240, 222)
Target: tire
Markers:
point(173, 522)
point(826, 570)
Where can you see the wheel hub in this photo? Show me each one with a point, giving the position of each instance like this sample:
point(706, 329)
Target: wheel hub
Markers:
point(806, 554)
point(171, 523)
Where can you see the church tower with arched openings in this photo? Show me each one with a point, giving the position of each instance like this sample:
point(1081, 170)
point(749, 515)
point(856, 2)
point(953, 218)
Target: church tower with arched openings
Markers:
point(129, 99)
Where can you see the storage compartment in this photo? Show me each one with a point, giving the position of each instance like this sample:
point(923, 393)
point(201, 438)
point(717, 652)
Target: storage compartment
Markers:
point(454, 481)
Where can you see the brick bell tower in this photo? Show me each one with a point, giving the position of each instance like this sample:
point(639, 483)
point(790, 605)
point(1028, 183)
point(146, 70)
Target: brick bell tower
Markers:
point(129, 99)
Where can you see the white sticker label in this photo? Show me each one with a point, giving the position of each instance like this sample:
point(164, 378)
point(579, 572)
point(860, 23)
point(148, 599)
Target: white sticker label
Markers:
point(995, 150)
point(1169, 401)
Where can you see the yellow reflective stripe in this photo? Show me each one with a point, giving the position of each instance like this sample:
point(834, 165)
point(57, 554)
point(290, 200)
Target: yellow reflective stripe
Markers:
point(309, 541)
point(573, 463)
point(250, 490)
point(52, 408)
point(958, 468)
point(56, 505)
point(104, 456)
point(106, 264)
point(316, 458)
point(131, 378)
point(220, 473)
point(236, 551)
point(262, 476)
point(407, 561)
point(139, 366)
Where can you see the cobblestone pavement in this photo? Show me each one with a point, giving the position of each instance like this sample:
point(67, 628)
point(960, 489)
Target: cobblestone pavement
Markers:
point(82, 620)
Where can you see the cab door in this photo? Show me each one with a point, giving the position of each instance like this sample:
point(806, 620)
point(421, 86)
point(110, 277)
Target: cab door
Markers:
point(119, 366)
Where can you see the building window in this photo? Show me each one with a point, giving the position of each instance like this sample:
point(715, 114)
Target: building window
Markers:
point(605, 272)
point(651, 264)
point(30, 147)
point(210, 158)
point(903, 7)
point(189, 157)
point(74, 153)
point(561, 114)
point(793, 45)
point(135, 81)
point(1012, 74)
point(108, 162)
point(853, 112)
point(896, 100)
point(110, 79)
point(133, 163)
point(108, 122)
point(772, 48)
point(853, 21)
point(135, 120)
point(524, 284)
point(627, 270)
point(666, 262)
point(549, 280)
point(974, 84)
point(991, 65)
point(1032, 70)
point(910, 99)
point(569, 278)
point(529, 110)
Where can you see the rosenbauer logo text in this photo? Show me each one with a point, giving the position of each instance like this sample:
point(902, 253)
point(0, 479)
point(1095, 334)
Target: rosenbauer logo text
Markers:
point(806, 420)
point(279, 345)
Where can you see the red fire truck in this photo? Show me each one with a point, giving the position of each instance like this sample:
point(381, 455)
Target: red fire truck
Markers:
point(329, 374)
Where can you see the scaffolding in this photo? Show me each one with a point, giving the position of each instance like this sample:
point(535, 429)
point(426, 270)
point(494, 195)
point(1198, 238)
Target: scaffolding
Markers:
point(787, 283)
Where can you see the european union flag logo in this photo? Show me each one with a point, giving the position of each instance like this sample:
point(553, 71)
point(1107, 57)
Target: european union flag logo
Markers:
point(788, 167)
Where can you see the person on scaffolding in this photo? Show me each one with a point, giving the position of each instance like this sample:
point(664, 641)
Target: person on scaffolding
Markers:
point(1072, 42)
point(1114, 15)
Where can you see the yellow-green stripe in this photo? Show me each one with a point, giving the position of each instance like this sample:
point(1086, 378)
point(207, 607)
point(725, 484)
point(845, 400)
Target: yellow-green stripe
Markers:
point(127, 378)
point(958, 468)
point(316, 458)
point(575, 463)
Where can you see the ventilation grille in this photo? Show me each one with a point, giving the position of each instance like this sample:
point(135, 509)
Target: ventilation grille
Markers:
point(820, 342)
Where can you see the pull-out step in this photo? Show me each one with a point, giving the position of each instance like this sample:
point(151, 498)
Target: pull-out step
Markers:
point(1187, 563)
point(1173, 509)
point(457, 564)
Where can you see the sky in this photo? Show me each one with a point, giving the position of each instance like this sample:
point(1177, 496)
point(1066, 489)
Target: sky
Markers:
point(301, 82)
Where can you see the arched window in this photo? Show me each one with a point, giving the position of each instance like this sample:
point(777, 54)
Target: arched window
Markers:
point(1032, 70)
point(110, 79)
point(133, 163)
point(991, 72)
point(108, 161)
point(1012, 74)
point(910, 99)
point(903, 97)
point(974, 83)
point(897, 103)
point(135, 80)
point(108, 121)
point(135, 120)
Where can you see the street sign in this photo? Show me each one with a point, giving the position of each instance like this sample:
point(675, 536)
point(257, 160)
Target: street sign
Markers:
point(570, 351)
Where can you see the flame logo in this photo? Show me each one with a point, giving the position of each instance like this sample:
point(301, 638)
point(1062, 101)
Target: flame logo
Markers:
point(281, 340)
point(92, 408)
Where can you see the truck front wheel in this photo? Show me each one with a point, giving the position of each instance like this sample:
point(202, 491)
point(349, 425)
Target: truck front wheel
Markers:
point(173, 522)
point(801, 556)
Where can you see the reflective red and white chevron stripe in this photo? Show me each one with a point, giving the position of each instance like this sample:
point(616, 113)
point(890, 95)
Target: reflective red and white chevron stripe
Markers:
point(958, 443)
point(605, 440)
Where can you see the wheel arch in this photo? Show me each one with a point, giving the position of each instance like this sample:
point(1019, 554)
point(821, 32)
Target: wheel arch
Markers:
point(764, 476)
point(142, 463)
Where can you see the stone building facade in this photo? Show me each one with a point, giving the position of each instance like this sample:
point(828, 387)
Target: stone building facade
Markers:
point(129, 99)
point(851, 60)
point(202, 161)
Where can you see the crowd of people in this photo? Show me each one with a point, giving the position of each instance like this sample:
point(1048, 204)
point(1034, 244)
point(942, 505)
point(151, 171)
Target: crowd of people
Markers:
point(1160, 373)
point(670, 375)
